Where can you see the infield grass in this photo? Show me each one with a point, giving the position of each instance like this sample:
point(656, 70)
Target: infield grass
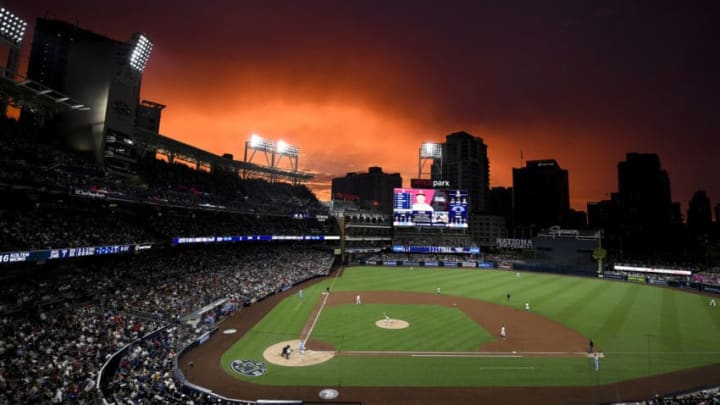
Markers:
point(352, 327)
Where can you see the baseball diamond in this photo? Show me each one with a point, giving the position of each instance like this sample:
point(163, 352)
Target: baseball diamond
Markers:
point(451, 352)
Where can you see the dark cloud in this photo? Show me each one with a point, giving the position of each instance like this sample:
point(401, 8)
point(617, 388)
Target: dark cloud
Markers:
point(580, 81)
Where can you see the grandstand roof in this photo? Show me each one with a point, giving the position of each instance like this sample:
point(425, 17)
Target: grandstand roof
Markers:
point(163, 144)
point(23, 92)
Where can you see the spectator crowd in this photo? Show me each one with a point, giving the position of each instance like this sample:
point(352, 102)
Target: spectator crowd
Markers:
point(47, 222)
point(53, 353)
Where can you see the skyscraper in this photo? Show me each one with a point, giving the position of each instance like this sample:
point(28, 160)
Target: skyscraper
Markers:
point(465, 165)
point(699, 213)
point(644, 193)
point(541, 195)
point(373, 189)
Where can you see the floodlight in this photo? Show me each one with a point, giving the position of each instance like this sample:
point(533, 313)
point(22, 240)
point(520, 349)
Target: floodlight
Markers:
point(274, 152)
point(140, 53)
point(260, 143)
point(431, 150)
point(293, 151)
point(284, 148)
point(12, 28)
point(256, 140)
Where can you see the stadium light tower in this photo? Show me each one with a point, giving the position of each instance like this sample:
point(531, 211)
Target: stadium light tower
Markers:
point(140, 54)
point(273, 151)
point(429, 151)
point(12, 30)
point(258, 143)
point(285, 149)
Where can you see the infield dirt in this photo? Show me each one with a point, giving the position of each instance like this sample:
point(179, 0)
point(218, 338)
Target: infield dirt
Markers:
point(526, 332)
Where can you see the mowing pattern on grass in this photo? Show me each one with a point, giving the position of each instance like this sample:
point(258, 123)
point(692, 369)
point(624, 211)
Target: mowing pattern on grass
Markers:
point(352, 327)
point(441, 322)
point(637, 344)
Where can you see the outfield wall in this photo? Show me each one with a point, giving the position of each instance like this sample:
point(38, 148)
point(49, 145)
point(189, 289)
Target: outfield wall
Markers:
point(412, 263)
point(574, 270)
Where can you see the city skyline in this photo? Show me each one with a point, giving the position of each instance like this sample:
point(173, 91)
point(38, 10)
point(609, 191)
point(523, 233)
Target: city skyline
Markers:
point(361, 84)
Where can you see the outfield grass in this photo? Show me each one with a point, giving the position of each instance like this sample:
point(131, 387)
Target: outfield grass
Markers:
point(643, 330)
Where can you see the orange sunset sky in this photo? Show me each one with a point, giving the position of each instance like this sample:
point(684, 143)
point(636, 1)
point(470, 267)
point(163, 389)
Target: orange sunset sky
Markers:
point(363, 83)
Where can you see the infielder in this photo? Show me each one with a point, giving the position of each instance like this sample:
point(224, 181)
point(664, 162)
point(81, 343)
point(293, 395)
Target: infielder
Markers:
point(357, 299)
point(527, 306)
point(502, 331)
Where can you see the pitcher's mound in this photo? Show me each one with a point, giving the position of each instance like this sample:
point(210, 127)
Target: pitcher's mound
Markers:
point(308, 358)
point(392, 324)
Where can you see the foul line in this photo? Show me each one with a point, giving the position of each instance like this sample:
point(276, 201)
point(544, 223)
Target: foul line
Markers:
point(504, 368)
point(672, 353)
point(312, 326)
point(467, 355)
point(463, 354)
point(317, 316)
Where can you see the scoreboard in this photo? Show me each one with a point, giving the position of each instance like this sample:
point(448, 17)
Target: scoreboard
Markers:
point(403, 200)
point(440, 208)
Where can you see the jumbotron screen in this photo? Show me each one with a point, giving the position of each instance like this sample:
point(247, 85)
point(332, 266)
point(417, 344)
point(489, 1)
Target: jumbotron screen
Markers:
point(442, 208)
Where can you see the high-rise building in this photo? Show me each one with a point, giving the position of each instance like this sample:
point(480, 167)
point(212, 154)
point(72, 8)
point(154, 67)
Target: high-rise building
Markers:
point(100, 72)
point(699, 213)
point(576, 219)
point(464, 164)
point(541, 195)
point(485, 229)
point(600, 214)
point(644, 192)
point(501, 204)
point(372, 190)
point(640, 220)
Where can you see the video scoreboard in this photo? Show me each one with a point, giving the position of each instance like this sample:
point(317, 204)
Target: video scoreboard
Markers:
point(442, 208)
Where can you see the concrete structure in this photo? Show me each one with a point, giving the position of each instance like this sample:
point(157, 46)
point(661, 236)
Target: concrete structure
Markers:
point(95, 69)
point(485, 229)
point(114, 128)
point(371, 190)
point(541, 195)
point(699, 213)
point(465, 165)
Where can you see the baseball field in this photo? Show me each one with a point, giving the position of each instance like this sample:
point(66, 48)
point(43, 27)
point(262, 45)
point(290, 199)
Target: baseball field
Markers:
point(433, 334)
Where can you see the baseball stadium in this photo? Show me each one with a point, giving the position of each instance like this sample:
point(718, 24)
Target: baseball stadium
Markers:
point(137, 269)
point(446, 347)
